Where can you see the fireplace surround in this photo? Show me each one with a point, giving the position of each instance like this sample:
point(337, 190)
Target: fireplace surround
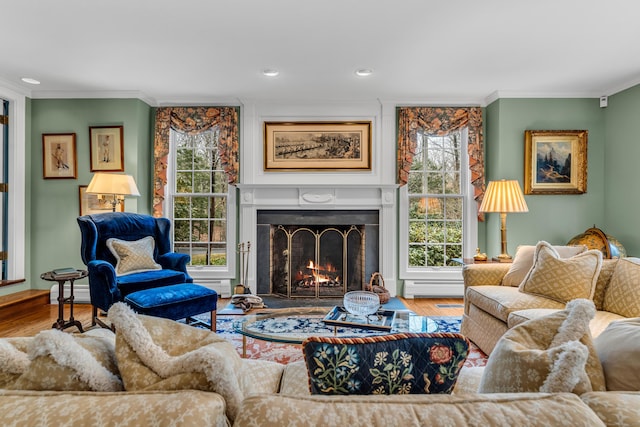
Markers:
point(324, 211)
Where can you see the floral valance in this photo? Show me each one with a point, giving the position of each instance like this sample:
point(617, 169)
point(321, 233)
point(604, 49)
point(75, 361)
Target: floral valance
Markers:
point(193, 120)
point(439, 121)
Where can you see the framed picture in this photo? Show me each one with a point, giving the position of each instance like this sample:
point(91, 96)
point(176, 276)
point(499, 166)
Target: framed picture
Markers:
point(106, 146)
point(555, 162)
point(91, 204)
point(59, 159)
point(322, 146)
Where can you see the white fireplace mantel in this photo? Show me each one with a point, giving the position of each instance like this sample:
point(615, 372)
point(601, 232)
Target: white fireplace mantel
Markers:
point(255, 197)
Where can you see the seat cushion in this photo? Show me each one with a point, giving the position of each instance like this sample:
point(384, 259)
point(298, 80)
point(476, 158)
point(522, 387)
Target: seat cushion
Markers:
point(500, 301)
point(149, 279)
point(173, 302)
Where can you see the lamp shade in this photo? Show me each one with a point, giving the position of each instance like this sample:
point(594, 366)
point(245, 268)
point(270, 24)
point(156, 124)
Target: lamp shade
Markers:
point(503, 196)
point(113, 183)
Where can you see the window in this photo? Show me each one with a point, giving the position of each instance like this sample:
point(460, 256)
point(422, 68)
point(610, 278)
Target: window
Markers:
point(201, 203)
point(438, 221)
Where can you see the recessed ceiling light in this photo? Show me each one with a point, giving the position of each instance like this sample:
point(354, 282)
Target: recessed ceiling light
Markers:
point(30, 81)
point(364, 72)
point(270, 72)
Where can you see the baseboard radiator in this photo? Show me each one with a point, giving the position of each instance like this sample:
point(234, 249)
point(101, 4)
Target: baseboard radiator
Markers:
point(81, 290)
point(433, 288)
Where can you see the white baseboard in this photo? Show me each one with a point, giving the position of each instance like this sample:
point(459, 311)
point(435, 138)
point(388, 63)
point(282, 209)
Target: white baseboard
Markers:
point(433, 289)
point(81, 291)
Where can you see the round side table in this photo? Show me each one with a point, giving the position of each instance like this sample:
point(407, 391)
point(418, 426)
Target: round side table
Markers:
point(61, 279)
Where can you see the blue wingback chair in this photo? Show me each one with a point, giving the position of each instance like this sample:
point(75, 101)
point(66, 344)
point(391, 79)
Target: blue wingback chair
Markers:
point(105, 287)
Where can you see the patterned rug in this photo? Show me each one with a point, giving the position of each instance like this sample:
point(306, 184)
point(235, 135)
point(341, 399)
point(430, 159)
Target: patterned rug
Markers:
point(286, 353)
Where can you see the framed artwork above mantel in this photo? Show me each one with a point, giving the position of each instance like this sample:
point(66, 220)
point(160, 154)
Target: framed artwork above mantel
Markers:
point(555, 162)
point(317, 146)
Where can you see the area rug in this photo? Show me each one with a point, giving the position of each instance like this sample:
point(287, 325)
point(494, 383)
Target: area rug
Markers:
point(273, 301)
point(287, 353)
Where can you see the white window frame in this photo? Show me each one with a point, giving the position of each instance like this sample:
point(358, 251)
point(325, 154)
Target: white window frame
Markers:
point(469, 235)
point(203, 273)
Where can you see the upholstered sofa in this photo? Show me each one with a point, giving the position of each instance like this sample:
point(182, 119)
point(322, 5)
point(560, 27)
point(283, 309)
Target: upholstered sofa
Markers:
point(494, 300)
point(177, 375)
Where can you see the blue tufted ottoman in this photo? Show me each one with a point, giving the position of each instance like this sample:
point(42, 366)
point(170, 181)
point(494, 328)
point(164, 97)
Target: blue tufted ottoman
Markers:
point(175, 302)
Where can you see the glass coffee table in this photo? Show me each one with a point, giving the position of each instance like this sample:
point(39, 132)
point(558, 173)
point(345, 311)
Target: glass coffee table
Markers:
point(294, 325)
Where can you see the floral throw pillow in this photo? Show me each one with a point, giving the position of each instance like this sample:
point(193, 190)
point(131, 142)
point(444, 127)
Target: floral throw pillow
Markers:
point(386, 364)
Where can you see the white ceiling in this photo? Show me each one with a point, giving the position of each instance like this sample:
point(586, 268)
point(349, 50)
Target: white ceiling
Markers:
point(423, 51)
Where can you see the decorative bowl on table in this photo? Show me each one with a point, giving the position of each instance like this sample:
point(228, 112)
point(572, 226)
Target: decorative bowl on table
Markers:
point(361, 303)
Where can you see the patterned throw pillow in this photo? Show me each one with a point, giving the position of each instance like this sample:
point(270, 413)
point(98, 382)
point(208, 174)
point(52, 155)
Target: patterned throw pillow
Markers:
point(552, 353)
point(523, 261)
point(386, 364)
point(562, 279)
point(133, 256)
point(622, 296)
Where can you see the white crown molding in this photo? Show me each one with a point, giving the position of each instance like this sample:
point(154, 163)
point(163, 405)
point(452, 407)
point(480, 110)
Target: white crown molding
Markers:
point(503, 94)
point(101, 94)
point(199, 102)
point(15, 87)
point(623, 86)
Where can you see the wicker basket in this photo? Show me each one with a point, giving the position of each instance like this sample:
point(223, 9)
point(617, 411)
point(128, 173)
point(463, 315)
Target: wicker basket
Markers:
point(376, 285)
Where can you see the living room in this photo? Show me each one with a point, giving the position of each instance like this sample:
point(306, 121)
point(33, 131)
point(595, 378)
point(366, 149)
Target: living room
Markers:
point(515, 93)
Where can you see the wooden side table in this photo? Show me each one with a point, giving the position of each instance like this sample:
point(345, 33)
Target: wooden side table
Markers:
point(61, 279)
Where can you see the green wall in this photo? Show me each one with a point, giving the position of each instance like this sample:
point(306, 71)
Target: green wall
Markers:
point(621, 201)
point(54, 236)
point(554, 218)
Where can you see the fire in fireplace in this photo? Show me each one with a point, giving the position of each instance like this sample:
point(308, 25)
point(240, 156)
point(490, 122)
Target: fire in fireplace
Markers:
point(316, 254)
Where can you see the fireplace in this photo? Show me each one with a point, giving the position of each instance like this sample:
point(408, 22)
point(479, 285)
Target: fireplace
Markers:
point(315, 253)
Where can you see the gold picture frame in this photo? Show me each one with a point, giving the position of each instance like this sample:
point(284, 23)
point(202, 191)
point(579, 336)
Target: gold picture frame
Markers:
point(106, 147)
point(555, 162)
point(91, 204)
point(59, 158)
point(319, 146)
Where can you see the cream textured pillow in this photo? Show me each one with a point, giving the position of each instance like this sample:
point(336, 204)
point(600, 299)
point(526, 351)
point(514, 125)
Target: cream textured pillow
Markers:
point(622, 296)
point(160, 354)
point(561, 279)
point(553, 353)
point(523, 261)
point(618, 348)
point(133, 256)
point(61, 361)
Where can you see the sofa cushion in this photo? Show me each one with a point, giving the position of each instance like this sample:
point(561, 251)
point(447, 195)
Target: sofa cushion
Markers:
point(61, 361)
point(622, 296)
point(133, 256)
point(562, 279)
point(615, 408)
point(618, 348)
point(553, 353)
point(387, 364)
point(161, 354)
point(496, 410)
point(523, 261)
point(500, 301)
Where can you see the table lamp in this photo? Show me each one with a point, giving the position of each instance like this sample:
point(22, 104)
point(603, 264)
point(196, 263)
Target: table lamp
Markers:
point(113, 185)
point(504, 197)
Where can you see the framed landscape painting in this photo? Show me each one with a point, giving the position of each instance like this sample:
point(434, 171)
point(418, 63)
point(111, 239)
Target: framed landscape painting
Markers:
point(555, 162)
point(92, 204)
point(321, 146)
point(59, 159)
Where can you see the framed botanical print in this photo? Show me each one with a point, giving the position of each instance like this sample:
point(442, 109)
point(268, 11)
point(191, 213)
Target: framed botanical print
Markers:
point(106, 148)
point(59, 158)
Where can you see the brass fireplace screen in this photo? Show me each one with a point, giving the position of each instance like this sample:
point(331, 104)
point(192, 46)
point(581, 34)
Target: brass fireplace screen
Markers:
point(322, 262)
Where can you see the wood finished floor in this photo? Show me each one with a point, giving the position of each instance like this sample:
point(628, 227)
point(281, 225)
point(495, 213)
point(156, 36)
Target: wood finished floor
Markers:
point(38, 318)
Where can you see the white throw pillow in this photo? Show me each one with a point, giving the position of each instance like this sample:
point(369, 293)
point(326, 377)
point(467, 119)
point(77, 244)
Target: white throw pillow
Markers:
point(523, 261)
point(133, 256)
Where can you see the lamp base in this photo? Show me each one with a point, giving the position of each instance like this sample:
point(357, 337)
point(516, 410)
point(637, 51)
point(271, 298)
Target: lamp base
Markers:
point(503, 258)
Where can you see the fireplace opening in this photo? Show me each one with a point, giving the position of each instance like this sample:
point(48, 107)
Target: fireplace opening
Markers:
point(315, 254)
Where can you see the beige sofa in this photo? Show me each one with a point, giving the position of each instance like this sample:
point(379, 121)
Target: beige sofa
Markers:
point(492, 306)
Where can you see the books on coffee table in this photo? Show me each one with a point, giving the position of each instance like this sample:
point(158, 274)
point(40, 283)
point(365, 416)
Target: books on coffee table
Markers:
point(382, 320)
